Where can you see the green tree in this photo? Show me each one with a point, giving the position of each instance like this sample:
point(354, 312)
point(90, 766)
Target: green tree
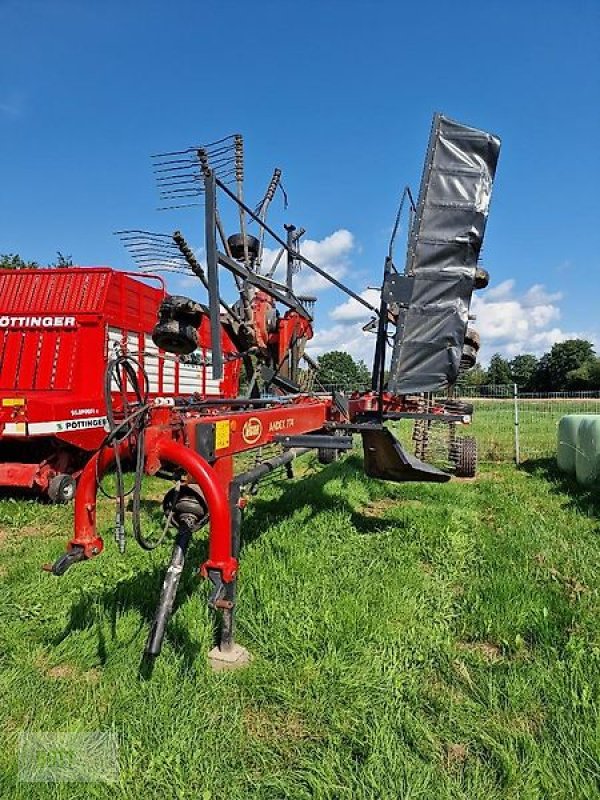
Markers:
point(339, 370)
point(585, 377)
point(475, 377)
point(499, 370)
point(567, 357)
point(522, 370)
point(14, 261)
point(540, 380)
point(62, 260)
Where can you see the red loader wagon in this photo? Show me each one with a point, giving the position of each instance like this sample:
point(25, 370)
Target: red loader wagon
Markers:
point(58, 329)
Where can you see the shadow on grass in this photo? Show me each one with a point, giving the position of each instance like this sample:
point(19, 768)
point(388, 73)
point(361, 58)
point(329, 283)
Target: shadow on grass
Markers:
point(141, 592)
point(584, 499)
point(310, 490)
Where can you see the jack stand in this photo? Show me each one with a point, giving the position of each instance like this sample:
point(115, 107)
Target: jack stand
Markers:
point(227, 655)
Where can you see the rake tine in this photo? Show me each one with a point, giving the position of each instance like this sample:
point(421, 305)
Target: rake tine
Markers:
point(264, 208)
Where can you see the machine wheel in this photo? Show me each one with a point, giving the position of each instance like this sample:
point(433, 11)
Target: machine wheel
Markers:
point(458, 407)
point(468, 359)
point(236, 245)
point(473, 338)
point(464, 456)
point(327, 455)
point(61, 489)
point(482, 278)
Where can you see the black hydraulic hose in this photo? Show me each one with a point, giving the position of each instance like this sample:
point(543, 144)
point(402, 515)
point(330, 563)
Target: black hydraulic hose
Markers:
point(132, 427)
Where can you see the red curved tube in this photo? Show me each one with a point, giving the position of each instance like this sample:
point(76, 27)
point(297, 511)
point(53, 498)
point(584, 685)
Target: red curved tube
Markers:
point(219, 542)
point(165, 449)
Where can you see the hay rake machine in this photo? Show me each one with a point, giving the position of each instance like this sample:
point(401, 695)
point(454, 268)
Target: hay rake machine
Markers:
point(422, 318)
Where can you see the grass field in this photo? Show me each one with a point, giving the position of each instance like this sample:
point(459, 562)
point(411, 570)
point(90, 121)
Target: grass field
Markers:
point(409, 641)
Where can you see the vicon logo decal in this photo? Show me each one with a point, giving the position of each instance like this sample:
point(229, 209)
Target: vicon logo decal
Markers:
point(252, 430)
point(38, 322)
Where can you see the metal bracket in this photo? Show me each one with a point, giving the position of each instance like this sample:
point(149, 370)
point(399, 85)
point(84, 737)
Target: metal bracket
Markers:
point(398, 289)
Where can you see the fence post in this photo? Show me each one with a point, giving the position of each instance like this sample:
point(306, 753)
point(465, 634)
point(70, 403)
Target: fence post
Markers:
point(517, 443)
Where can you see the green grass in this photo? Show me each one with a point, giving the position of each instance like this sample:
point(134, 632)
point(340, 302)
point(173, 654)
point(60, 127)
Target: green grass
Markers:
point(409, 641)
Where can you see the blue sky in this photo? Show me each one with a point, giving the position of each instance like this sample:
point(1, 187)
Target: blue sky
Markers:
point(340, 95)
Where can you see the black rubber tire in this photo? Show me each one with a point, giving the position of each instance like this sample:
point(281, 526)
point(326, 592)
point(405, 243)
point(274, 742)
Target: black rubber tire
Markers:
point(464, 457)
point(482, 278)
point(236, 246)
point(179, 307)
point(327, 455)
point(177, 337)
point(61, 489)
point(472, 338)
point(468, 358)
point(458, 407)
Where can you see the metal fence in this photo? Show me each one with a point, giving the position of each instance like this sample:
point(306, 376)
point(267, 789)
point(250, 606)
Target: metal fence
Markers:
point(509, 425)
point(514, 426)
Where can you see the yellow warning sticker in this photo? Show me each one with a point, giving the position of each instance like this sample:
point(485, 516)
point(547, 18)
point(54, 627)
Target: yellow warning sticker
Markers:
point(222, 435)
point(13, 401)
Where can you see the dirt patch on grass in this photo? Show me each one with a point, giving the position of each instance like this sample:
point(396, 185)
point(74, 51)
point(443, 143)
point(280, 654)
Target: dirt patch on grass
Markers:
point(66, 671)
point(456, 755)
point(528, 723)
point(571, 585)
point(34, 531)
point(487, 650)
point(377, 508)
point(71, 672)
point(61, 671)
point(269, 725)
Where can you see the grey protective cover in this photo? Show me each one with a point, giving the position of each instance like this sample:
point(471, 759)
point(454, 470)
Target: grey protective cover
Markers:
point(434, 294)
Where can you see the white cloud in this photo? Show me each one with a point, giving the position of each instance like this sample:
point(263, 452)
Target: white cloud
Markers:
point(349, 338)
point(512, 323)
point(501, 291)
point(352, 310)
point(537, 295)
point(331, 254)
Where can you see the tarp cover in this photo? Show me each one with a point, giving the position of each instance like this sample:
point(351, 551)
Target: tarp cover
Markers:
point(434, 294)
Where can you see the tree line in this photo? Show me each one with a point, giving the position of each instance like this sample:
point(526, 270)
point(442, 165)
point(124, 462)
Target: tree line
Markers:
point(14, 261)
point(571, 365)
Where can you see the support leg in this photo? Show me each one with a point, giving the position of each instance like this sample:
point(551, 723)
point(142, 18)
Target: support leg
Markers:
point(227, 654)
point(168, 592)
